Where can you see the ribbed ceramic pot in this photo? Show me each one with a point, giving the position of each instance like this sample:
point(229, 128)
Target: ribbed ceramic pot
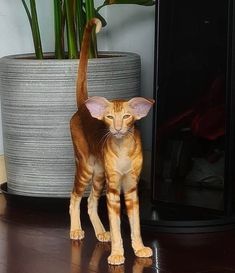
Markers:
point(38, 100)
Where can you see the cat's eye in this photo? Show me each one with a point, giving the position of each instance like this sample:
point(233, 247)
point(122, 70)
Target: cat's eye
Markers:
point(126, 116)
point(110, 117)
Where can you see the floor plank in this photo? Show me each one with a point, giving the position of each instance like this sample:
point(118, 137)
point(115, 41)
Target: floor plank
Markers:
point(37, 241)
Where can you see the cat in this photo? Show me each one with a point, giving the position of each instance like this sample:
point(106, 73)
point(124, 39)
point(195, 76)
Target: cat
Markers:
point(107, 148)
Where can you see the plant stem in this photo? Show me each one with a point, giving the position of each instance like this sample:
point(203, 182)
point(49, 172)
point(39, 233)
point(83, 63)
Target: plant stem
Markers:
point(71, 34)
point(27, 12)
point(81, 20)
point(33, 20)
point(35, 30)
point(59, 29)
point(90, 13)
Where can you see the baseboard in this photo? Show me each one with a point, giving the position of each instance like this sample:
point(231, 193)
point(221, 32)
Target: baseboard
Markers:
point(3, 177)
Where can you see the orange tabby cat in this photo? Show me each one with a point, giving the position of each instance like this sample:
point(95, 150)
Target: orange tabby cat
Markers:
point(107, 148)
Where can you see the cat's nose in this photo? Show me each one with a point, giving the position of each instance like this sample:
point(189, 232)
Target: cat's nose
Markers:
point(118, 125)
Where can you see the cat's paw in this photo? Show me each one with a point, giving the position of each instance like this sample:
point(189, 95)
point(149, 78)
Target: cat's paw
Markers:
point(77, 234)
point(144, 252)
point(104, 236)
point(116, 259)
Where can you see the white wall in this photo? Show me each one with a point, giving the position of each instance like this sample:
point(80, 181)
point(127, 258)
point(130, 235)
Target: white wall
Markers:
point(15, 34)
point(130, 28)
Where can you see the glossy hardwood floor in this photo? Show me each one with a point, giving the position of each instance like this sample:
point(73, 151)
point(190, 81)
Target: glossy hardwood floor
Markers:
point(37, 241)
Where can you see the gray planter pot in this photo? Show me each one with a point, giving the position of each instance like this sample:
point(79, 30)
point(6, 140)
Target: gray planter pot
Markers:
point(38, 100)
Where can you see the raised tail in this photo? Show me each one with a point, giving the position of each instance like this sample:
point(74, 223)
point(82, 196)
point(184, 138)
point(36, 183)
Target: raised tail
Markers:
point(81, 90)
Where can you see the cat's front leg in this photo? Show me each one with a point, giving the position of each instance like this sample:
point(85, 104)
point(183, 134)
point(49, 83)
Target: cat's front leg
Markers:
point(113, 202)
point(132, 207)
point(98, 181)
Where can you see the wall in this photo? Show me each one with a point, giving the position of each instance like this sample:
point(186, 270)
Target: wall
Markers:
point(15, 35)
point(130, 28)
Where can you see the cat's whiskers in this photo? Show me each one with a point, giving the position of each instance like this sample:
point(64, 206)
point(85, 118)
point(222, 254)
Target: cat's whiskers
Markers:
point(107, 136)
point(130, 133)
point(103, 137)
point(101, 131)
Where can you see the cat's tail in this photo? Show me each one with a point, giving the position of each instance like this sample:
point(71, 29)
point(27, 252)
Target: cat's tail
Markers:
point(81, 90)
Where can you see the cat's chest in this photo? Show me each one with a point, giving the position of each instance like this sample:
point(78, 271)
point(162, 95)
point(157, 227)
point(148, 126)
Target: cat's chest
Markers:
point(123, 162)
point(120, 156)
point(123, 165)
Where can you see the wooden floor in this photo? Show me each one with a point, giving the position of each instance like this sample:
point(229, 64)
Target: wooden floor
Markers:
point(36, 241)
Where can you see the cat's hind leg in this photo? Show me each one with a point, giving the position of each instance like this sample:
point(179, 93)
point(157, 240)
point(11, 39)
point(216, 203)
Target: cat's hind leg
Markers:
point(82, 178)
point(76, 232)
point(98, 181)
point(83, 175)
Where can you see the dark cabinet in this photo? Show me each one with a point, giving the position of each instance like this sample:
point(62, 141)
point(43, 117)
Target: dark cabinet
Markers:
point(193, 160)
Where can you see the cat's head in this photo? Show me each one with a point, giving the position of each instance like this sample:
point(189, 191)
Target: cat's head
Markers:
point(118, 115)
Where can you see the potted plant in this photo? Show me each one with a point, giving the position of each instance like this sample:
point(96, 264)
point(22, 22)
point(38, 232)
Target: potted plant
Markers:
point(38, 98)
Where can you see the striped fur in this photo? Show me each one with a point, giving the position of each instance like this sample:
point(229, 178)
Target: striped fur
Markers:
point(107, 148)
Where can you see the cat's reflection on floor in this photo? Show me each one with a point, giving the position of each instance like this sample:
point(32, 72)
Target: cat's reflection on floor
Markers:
point(97, 262)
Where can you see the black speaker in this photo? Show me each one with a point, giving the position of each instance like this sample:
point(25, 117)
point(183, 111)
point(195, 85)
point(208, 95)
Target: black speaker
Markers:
point(193, 155)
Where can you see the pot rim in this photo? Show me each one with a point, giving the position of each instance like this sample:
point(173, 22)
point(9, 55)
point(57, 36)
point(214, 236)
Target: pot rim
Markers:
point(105, 55)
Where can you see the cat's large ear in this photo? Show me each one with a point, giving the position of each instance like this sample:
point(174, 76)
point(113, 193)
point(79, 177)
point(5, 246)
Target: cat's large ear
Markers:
point(97, 106)
point(140, 107)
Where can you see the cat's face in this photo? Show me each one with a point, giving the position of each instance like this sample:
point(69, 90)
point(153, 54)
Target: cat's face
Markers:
point(119, 115)
point(118, 118)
